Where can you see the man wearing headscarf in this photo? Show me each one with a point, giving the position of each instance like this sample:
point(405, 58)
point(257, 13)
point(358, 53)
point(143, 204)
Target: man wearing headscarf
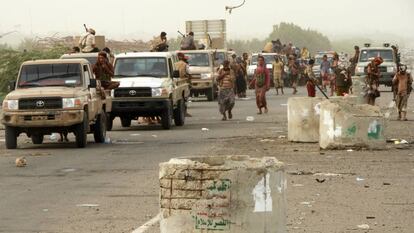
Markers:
point(104, 71)
point(403, 81)
point(87, 42)
point(372, 80)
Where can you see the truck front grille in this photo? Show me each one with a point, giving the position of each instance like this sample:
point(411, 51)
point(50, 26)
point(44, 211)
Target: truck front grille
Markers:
point(133, 92)
point(41, 103)
point(383, 69)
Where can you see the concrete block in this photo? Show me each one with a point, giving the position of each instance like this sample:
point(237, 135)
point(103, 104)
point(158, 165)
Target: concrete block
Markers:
point(303, 119)
point(345, 125)
point(228, 194)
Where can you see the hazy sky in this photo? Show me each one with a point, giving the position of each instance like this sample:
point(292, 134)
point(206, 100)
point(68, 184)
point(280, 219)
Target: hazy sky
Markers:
point(141, 19)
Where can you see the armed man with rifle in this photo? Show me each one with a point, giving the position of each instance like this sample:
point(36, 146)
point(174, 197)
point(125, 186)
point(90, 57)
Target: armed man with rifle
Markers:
point(87, 42)
point(187, 43)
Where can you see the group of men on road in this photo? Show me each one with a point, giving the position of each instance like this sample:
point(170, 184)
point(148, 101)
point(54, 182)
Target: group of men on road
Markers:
point(232, 76)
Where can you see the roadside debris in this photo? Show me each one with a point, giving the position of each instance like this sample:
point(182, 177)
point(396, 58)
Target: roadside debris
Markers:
point(135, 134)
point(298, 185)
point(281, 137)
point(204, 129)
point(21, 162)
point(320, 180)
point(370, 217)
point(250, 118)
point(360, 179)
point(108, 140)
point(326, 174)
point(363, 226)
point(386, 183)
point(350, 150)
point(154, 136)
point(87, 205)
point(267, 140)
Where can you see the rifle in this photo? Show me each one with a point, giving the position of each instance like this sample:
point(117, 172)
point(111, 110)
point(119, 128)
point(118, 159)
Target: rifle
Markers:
point(319, 88)
point(86, 29)
point(181, 33)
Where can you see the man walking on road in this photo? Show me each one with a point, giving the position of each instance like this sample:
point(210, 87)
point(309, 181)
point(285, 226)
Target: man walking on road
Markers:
point(226, 96)
point(277, 74)
point(311, 82)
point(403, 81)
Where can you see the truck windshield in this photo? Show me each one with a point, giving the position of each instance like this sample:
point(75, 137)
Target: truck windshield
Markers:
point(220, 57)
point(269, 59)
point(141, 66)
point(50, 75)
point(198, 59)
point(318, 60)
point(386, 54)
point(90, 59)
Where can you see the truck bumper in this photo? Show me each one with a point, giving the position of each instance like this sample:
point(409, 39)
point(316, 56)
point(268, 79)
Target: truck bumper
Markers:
point(42, 119)
point(138, 107)
point(201, 85)
point(385, 79)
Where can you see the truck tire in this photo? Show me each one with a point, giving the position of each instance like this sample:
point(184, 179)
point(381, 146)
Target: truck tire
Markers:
point(37, 138)
point(166, 117)
point(125, 122)
point(179, 113)
point(99, 129)
point(11, 137)
point(109, 122)
point(210, 94)
point(81, 132)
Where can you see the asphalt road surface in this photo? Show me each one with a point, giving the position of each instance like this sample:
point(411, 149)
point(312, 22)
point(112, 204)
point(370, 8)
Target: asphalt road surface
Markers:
point(114, 187)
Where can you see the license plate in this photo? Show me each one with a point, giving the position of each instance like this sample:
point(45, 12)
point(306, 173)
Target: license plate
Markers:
point(39, 118)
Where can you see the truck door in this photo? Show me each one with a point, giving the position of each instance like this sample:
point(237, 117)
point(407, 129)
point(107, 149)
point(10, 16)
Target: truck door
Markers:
point(93, 96)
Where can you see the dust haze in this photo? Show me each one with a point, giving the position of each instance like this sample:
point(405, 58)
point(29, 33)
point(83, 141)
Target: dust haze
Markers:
point(143, 19)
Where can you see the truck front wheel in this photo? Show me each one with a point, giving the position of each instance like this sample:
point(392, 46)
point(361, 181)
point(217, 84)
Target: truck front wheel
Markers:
point(125, 122)
point(179, 113)
point(210, 94)
point(11, 137)
point(81, 132)
point(37, 138)
point(166, 117)
point(109, 122)
point(99, 129)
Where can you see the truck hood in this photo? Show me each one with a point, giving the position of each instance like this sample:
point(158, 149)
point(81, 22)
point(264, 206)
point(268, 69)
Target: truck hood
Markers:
point(200, 69)
point(65, 92)
point(383, 64)
point(144, 82)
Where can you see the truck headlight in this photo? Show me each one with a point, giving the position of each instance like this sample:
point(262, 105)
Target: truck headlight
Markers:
point(359, 69)
point(11, 104)
point(391, 69)
point(71, 102)
point(159, 91)
point(206, 76)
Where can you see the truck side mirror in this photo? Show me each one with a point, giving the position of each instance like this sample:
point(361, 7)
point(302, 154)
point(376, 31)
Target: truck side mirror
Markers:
point(176, 74)
point(12, 85)
point(92, 83)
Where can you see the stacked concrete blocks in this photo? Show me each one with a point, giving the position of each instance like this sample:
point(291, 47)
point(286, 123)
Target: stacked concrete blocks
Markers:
point(226, 194)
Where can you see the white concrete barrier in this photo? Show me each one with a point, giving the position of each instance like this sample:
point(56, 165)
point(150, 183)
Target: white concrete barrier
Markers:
point(303, 119)
point(232, 194)
point(344, 125)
